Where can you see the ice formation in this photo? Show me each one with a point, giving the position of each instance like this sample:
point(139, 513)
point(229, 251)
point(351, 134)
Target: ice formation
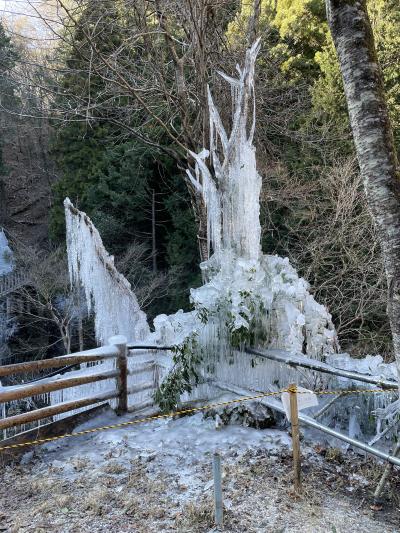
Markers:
point(6, 257)
point(232, 191)
point(108, 293)
point(249, 297)
point(7, 326)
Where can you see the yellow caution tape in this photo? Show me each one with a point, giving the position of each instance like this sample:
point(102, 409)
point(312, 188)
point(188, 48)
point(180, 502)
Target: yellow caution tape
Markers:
point(139, 421)
point(182, 412)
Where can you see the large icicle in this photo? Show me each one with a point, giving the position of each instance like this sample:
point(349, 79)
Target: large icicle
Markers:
point(108, 293)
point(7, 324)
point(232, 195)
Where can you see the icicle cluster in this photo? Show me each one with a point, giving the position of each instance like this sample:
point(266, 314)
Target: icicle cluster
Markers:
point(250, 298)
point(232, 193)
point(248, 290)
point(6, 256)
point(107, 292)
point(7, 325)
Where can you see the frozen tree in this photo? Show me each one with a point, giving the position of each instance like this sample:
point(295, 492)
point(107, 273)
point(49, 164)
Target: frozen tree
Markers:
point(6, 258)
point(249, 298)
point(232, 194)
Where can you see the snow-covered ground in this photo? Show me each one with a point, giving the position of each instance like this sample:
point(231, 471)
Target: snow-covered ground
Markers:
point(157, 477)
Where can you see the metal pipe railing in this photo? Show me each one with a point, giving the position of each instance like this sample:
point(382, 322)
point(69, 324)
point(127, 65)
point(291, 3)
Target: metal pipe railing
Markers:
point(148, 347)
point(308, 421)
point(280, 356)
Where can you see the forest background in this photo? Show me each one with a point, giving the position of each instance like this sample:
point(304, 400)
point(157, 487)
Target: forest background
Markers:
point(100, 101)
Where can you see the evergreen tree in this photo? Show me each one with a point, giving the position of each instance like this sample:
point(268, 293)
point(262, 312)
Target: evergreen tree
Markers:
point(115, 179)
point(8, 57)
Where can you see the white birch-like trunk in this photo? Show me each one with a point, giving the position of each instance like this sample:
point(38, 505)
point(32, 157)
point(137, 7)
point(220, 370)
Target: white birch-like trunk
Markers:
point(373, 137)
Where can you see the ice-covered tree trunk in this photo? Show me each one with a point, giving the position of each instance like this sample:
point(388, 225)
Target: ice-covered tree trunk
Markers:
point(363, 83)
point(231, 192)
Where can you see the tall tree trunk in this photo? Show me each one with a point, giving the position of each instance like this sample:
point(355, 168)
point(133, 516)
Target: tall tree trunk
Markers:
point(373, 137)
point(252, 30)
point(153, 231)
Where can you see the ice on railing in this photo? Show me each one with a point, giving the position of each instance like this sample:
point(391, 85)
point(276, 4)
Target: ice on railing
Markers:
point(6, 256)
point(7, 325)
point(376, 411)
point(143, 368)
point(108, 293)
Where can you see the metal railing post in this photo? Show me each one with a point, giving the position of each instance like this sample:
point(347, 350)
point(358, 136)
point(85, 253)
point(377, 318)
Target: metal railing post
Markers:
point(218, 505)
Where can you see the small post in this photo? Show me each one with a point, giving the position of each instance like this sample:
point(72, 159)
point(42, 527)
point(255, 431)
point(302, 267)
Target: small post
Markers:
point(294, 420)
point(385, 475)
point(217, 489)
point(122, 365)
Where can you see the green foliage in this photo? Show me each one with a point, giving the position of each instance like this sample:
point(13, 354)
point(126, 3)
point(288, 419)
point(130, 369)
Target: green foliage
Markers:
point(8, 57)
point(183, 375)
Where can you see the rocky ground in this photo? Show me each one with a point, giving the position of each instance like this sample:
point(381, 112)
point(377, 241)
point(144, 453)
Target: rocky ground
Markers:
point(156, 477)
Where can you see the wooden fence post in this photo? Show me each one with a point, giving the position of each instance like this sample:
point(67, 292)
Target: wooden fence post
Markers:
point(122, 365)
point(294, 420)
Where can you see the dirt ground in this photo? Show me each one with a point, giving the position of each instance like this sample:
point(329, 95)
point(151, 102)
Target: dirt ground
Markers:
point(67, 490)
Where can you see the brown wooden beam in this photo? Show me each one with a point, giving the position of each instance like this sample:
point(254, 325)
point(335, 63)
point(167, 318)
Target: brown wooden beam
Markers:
point(122, 380)
point(46, 412)
point(42, 388)
point(98, 354)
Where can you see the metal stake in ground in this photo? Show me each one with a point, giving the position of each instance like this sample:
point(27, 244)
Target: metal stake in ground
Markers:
point(294, 420)
point(217, 489)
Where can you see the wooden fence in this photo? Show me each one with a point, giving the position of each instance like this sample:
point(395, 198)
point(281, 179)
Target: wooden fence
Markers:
point(118, 351)
point(12, 281)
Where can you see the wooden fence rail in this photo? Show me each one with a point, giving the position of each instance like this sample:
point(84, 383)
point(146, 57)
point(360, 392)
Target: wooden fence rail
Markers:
point(12, 282)
point(25, 391)
point(117, 350)
point(88, 356)
point(52, 410)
